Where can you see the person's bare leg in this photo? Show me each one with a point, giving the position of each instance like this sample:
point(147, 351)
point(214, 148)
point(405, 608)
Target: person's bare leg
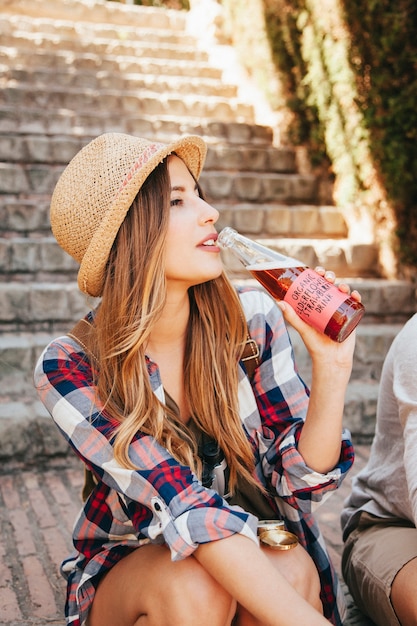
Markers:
point(299, 569)
point(403, 594)
point(147, 589)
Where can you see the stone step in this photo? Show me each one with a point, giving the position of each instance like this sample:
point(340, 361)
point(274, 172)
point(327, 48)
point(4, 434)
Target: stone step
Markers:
point(219, 186)
point(60, 149)
point(360, 409)
point(29, 252)
point(69, 30)
point(138, 102)
point(33, 258)
point(27, 432)
point(84, 124)
point(41, 307)
point(271, 187)
point(30, 218)
point(372, 344)
point(21, 412)
point(283, 220)
point(51, 306)
point(97, 12)
point(41, 79)
point(62, 60)
point(386, 301)
point(19, 351)
point(343, 256)
point(37, 257)
point(154, 49)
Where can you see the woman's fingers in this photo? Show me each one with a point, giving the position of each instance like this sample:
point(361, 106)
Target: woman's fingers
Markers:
point(331, 277)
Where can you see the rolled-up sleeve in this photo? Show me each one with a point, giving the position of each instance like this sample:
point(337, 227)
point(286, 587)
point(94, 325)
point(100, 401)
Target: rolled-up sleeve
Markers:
point(282, 401)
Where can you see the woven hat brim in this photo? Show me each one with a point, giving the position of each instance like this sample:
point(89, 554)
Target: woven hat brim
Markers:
point(191, 149)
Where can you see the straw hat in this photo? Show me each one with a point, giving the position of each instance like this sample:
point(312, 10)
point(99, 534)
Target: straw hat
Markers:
point(96, 189)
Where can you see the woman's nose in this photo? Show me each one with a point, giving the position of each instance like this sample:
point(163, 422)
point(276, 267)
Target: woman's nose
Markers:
point(209, 213)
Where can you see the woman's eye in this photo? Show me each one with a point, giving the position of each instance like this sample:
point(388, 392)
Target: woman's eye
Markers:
point(176, 202)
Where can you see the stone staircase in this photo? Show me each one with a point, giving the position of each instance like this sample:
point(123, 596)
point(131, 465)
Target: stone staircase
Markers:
point(73, 69)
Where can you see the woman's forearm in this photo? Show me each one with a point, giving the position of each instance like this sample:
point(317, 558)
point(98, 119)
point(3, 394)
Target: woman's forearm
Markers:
point(320, 438)
point(240, 566)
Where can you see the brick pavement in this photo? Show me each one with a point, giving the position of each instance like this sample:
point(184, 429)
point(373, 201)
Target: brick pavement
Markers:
point(37, 509)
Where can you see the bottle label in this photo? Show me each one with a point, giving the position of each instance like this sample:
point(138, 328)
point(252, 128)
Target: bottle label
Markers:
point(276, 264)
point(314, 299)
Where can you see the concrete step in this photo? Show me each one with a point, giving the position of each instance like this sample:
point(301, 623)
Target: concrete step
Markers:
point(139, 102)
point(155, 49)
point(41, 79)
point(40, 258)
point(39, 60)
point(72, 123)
point(343, 256)
point(19, 351)
point(283, 220)
point(26, 430)
point(50, 306)
point(219, 186)
point(386, 301)
point(69, 30)
point(34, 258)
point(60, 149)
point(28, 251)
point(97, 12)
point(271, 187)
point(372, 344)
point(21, 413)
point(31, 307)
point(29, 218)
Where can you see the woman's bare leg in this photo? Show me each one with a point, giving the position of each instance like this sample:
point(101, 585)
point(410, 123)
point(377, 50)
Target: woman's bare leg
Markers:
point(298, 568)
point(146, 588)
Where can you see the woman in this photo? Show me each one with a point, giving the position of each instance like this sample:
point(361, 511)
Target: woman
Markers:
point(160, 376)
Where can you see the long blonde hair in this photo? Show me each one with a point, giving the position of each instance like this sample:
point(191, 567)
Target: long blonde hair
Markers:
point(132, 301)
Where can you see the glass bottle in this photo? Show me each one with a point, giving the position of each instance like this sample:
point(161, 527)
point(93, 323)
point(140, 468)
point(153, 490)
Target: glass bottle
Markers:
point(317, 301)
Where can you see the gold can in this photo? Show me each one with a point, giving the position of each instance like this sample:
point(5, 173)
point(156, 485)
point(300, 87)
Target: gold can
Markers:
point(272, 533)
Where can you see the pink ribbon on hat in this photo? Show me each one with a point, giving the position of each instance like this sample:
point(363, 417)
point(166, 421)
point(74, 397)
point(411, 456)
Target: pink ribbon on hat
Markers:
point(148, 152)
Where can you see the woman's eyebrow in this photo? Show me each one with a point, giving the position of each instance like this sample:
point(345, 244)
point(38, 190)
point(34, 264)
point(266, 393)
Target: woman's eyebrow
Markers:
point(182, 188)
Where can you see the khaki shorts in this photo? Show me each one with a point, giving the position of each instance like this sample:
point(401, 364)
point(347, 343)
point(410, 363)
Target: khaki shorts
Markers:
point(373, 555)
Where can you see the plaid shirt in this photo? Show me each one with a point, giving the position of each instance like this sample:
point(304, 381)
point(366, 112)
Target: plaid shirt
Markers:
point(165, 502)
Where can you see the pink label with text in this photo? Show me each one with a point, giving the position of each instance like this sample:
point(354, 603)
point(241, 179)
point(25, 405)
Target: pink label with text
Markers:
point(314, 299)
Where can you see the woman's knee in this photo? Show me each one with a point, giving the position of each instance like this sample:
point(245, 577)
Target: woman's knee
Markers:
point(147, 588)
point(299, 569)
point(196, 598)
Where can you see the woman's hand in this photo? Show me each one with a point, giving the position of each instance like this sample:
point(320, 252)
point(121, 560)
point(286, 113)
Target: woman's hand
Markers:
point(320, 438)
point(320, 347)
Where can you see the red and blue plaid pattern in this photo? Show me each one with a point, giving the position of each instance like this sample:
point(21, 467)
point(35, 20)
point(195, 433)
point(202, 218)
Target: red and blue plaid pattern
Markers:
point(165, 502)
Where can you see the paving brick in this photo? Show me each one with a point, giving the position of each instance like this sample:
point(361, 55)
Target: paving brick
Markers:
point(38, 505)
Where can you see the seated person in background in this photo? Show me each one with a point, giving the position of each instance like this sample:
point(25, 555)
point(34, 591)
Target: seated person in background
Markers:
point(379, 518)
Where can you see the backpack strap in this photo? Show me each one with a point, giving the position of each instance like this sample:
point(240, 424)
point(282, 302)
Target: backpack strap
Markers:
point(250, 356)
point(83, 333)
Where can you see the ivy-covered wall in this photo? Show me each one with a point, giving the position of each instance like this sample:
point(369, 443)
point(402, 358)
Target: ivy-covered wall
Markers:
point(347, 74)
point(383, 56)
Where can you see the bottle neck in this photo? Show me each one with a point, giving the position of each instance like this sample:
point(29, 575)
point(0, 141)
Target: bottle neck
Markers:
point(251, 253)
